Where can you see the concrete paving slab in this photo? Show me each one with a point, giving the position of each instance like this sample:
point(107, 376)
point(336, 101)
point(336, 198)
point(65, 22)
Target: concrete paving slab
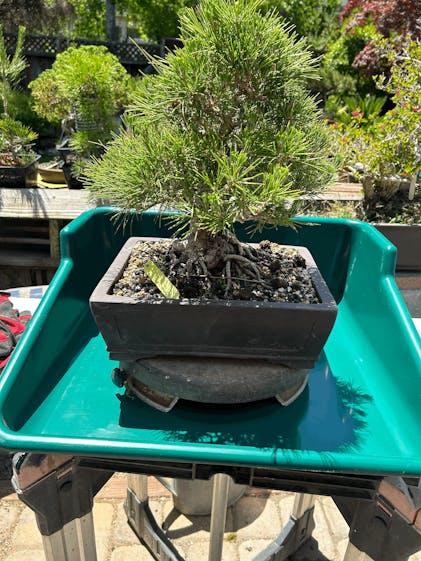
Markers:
point(200, 551)
point(255, 516)
point(103, 513)
point(254, 522)
point(248, 549)
point(26, 532)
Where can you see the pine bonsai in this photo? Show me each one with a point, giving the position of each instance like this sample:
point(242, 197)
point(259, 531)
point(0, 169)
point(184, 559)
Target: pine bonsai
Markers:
point(84, 90)
point(225, 132)
point(16, 139)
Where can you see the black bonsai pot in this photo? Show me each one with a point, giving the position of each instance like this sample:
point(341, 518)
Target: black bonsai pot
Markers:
point(68, 156)
point(72, 181)
point(19, 176)
point(177, 343)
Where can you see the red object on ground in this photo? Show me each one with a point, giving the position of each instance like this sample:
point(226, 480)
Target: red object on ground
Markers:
point(12, 325)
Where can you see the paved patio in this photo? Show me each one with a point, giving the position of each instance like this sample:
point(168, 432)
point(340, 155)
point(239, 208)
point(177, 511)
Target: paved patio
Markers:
point(251, 525)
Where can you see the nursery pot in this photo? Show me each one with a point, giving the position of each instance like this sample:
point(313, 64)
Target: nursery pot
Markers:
point(68, 157)
point(51, 174)
point(19, 176)
point(213, 351)
point(194, 497)
point(72, 181)
point(407, 239)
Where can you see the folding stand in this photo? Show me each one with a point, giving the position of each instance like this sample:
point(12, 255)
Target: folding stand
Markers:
point(384, 513)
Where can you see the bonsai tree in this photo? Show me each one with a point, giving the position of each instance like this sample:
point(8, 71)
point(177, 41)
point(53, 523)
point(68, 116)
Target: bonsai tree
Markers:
point(225, 132)
point(84, 90)
point(15, 138)
point(15, 143)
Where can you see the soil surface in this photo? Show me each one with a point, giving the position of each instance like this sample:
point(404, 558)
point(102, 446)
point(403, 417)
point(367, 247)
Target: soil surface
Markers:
point(396, 210)
point(263, 272)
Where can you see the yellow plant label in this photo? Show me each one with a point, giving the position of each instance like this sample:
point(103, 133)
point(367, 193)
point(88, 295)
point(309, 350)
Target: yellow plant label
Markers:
point(163, 283)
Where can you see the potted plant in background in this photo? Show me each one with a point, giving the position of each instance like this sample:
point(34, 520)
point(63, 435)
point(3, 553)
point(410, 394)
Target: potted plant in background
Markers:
point(224, 133)
point(84, 91)
point(17, 157)
point(384, 153)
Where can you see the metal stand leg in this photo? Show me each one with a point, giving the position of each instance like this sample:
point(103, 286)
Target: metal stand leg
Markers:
point(76, 537)
point(143, 523)
point(387, 528)
point(218, 516)
point(61, 493)
point(296, 532)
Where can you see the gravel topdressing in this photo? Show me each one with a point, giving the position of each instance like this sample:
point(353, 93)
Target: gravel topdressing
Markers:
point(282, 272)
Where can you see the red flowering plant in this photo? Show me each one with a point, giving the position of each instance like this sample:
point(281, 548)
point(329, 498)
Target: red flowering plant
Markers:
point(385, 151)
point(387, 18)
point(354, 57)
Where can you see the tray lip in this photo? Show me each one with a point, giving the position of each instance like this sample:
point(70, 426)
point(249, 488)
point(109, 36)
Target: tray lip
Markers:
point(217, 454)
point(200, 452)
point(387, 266)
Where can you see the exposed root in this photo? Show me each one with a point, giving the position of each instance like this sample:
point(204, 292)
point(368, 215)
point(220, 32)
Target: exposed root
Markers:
point(190, 265)
point(211, 267)
point(233, 241)
point(202, 264)
point(228, 278)
point(206, 256)
point(246, 264)
point(247, 251)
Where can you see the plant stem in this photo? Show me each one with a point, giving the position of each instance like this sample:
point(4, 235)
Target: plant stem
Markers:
point(412, 186)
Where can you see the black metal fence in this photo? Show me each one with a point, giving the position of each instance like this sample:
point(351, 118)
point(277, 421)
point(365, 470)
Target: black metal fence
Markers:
point(40, 52)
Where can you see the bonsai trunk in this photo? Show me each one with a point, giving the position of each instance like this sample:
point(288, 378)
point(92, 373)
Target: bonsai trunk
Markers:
point(223, 253)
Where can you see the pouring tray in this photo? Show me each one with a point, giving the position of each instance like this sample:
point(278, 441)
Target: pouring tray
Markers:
point(360, 412)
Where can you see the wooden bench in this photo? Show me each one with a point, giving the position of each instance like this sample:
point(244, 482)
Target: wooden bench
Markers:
point(30, 224)
point(31, 219)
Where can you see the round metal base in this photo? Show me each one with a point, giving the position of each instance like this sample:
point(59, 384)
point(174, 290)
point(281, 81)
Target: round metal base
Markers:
point(161, 381)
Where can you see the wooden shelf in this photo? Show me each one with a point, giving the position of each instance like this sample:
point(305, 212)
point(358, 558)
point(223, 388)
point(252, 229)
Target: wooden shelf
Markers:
point(37, 244)
point(33, 202)
point(23, 258)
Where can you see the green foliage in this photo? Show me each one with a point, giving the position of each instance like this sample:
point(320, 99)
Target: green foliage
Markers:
point(15, 141)
point(385, 149)
point(345, 109)
point(310, 18)
point(153, 18)
point(21, 108)
point(88, 18)
point(341, 77)
point(11, 67)
point(38, 16)
point(356, 51)
point(85, 88)
point(226, 131)
point(157, 18)
point(160, 18)
point(15, 137)
point(15, 103)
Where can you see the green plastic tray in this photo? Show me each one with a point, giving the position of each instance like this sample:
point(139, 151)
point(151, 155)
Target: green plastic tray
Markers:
point(360, 413)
